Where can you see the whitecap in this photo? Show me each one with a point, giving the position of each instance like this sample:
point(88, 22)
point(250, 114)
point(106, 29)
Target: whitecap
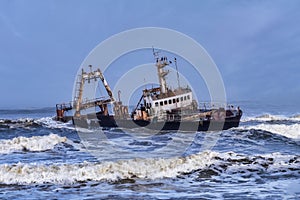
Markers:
point(297, 116)
point(228, 165)
point(290, 131)
point(49, 122)
point(35, 143)
point(151, 168)
point(270, 117)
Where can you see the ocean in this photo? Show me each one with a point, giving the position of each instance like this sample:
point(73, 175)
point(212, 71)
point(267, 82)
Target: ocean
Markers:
point(45, 159)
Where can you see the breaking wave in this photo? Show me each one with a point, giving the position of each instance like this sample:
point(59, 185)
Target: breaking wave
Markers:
point(269, 117)
point(47, 122)
point(233, 167)
point(202, 164)
point(35, 143)
point(50, 123)
point(290, 131)
point(15, 123)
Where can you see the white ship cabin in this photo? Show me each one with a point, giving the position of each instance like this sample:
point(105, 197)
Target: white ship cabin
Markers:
point(170, 101)
point(157, 101)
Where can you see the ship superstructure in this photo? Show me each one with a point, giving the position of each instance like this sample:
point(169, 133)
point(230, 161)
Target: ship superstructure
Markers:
point(159, 102)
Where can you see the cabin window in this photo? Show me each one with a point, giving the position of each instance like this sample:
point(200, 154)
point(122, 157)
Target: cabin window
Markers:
point(177, 100)
point(188, 96)
point(161, 103)
point(166, 102)
point(156, 104)
point(174, 100)
point(181, 98)
point(185, 98)
point(170, 101)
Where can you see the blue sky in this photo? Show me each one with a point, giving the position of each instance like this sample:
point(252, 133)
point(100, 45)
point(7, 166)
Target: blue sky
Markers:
point(255, 44)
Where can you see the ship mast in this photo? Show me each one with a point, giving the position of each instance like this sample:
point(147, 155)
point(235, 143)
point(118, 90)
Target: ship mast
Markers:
point(85, 76)
point(175, 60)
point(160, 64)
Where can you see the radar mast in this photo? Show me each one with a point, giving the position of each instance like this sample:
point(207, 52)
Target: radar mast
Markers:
point(161, 63)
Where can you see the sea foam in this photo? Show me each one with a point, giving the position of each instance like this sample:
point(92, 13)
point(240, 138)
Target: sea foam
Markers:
point(151, 168)
point(290, 131)
point(50, 123)
point(35, 143)
point(225, 165)
point(270, 117)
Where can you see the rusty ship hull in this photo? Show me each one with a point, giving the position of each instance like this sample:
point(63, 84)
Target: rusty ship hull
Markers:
point(198, 125)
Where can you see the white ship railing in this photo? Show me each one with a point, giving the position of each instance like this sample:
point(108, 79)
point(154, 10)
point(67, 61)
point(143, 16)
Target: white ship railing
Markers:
point(215, 105)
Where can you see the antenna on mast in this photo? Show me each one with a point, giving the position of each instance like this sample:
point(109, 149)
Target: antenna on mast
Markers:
point(178, 82)
point(119, 95)
point(155, 53)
